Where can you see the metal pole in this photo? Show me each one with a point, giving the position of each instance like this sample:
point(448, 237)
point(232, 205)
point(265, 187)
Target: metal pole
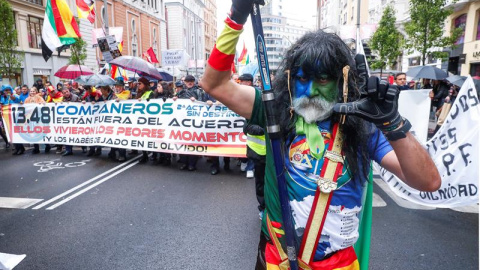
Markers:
point(274, 134)
point(105, 8)
point(196, 57)
point(358, 14)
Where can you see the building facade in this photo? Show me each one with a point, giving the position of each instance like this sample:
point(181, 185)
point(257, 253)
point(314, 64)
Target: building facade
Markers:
point(280, 32)
point(186, 31)
point(210, 17)
point(465, 59)
point(29, 15)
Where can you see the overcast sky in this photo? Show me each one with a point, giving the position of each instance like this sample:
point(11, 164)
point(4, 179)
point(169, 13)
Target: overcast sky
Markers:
point(301, 10)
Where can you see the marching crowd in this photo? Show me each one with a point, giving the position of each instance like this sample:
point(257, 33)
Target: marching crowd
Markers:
point(141, 89)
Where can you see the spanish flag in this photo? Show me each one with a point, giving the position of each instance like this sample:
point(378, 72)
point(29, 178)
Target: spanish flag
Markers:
point(86, 10)
point(59, 27)
point(243, 55)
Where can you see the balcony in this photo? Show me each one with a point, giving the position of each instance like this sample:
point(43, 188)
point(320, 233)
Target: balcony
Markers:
point(35, 2)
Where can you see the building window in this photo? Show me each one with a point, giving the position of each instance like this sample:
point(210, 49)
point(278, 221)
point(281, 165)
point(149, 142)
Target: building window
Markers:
point(36, 2)
point(154, 43)
point(134, 39)
point(478, 25)
point(34, 32)
point(460, 22)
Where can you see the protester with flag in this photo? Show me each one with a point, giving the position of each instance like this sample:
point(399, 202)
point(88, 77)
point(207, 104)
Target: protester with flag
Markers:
point(59, 27)
point(327, 157)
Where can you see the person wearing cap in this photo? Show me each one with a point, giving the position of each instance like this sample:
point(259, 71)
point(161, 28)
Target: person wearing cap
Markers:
point(192, 92)
point(54, 96)
point(8, 97)
point(120, 92)
point(39, 84)
point(93, 95)
point(132, 86)
point(144, 93)
point(178, 87)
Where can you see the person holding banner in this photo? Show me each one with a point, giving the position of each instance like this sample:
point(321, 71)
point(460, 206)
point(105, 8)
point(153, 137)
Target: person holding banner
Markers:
point(331, 129)
point(93, 95)
point(35, 97)
point(121, 94)
point(144, 93)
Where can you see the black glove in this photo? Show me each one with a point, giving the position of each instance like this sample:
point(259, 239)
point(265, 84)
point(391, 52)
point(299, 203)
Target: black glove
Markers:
point(378, 103)
point(240, 9)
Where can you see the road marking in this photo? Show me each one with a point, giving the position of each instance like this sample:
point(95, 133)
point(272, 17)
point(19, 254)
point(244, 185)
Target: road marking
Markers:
point(85, 183)
point(90, 187)
point(17, 203)
point(9, 261)
point(400, 201)
point(377, 201)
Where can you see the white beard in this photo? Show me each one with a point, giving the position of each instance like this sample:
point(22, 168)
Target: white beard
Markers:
point(313, 109)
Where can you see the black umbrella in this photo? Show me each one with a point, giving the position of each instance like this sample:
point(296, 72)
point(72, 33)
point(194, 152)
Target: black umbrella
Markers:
point(457, 80)
point(137, 65)
point(427, 72)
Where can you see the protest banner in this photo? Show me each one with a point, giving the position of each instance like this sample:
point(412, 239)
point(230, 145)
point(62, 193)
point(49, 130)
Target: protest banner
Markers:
point(174, 58)
point(415, 106)
point(181, 126)
point(455, 151)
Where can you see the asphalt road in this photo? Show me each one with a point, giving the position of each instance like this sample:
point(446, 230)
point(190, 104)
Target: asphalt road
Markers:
point(92, 213)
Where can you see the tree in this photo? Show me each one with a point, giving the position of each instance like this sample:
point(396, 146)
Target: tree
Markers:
point(10, 59)
point(387, 41)
point(425, 28)
point(78, 51)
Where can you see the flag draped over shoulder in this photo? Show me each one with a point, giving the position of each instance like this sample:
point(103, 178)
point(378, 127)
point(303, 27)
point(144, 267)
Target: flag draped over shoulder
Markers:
point(86, 10)
point(59, 27)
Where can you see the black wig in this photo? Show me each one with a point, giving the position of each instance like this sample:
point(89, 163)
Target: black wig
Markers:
point(319, 53)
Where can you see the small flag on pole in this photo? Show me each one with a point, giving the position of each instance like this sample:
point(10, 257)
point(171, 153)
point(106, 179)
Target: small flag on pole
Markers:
point(86, 9)
point(150, 56)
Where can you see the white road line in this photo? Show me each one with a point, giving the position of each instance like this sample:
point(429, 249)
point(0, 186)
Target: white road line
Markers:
point(401, 202)
point(9, 261)
point(17, 203)
point(85, 183)
point(377, 201)
point(90, 187)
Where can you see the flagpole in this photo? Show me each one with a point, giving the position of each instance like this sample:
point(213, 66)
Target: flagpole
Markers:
point(105, 21)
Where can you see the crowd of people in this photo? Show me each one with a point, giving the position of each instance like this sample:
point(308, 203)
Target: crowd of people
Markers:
point(135, 88)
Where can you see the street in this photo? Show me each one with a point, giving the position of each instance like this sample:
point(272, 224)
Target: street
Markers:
point(81, 212)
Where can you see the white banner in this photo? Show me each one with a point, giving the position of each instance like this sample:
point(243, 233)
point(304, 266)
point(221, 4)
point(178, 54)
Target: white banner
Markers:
point(455, 151)
point(174, 58)
point(415, 106)
point(180, 126)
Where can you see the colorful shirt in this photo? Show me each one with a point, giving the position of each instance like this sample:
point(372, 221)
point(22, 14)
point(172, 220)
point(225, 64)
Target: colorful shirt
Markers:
point(341, 225)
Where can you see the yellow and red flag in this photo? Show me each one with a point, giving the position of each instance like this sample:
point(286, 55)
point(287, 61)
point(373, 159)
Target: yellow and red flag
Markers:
point(86, 9)
point(243, 55)
point(59, 27)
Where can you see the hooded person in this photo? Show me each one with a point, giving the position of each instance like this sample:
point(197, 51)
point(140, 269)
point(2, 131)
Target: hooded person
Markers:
point(327, 143)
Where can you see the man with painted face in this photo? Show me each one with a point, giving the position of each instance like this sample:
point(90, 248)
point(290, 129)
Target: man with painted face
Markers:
point(326, 159)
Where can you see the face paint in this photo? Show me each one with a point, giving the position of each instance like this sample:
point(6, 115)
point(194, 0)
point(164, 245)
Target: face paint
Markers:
point(321, 87)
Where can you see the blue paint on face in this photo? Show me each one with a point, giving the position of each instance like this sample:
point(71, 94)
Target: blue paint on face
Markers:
point(303, 84)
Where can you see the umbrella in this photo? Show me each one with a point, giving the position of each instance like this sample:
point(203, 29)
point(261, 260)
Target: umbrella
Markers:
point(95, 80)
point(73, 71)
point(427, 72)
point(138, 65)
point(456, 80)
point(166, 75)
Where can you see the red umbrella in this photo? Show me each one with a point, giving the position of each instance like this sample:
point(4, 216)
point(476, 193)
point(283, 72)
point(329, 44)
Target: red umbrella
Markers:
point(73, 71)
